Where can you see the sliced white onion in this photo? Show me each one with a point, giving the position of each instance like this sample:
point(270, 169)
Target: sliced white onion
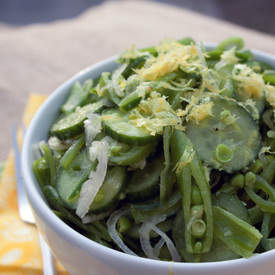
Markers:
point(56, 144)
point(90, 187)
point(95, 217)
point(36, 151)
point(111, 224)
point(115, 80)
point(158, 246)
point(171, 247)
point(92, 127)
point(144, 233)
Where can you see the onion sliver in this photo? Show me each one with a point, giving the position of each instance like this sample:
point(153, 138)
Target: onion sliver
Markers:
point(111, 224)
point(171, 247)
point(90, 187)
point(144, 233)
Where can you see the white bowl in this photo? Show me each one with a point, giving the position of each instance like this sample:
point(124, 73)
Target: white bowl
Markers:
point(80, 255)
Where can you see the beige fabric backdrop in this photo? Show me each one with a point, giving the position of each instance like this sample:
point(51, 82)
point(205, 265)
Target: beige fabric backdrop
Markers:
point(39, 57)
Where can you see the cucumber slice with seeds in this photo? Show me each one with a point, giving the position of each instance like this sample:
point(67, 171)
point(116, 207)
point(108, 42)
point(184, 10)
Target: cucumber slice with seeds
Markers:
point(144, 183)
point(72, 124)
point(118, 126)
point(69, 181)
point(229, 125)
point(110, 189)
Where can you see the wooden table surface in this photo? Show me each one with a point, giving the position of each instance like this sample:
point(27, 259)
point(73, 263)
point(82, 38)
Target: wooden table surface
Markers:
point(39, 57)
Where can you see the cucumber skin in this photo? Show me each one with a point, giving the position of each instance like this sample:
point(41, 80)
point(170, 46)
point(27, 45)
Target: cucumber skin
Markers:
point(144, 184)
point(72, 124)
point(119, 117)
point(120, 174)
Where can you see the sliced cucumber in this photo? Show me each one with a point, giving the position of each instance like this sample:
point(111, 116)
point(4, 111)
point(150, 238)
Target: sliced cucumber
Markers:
point(119, 127)
point(72, 124)
point(230, 129)
point(130, 101)
point(69, 181)
point(77, 97)
point(144, 183)
point(110, 190)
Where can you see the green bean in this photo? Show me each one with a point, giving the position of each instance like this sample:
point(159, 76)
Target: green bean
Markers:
point(41, 171)
point(265, 205)
point(51, 162)
point(227, 226)
point(72, 152)
point(165, 183)
point(269, 172)
point(269, 77)
point(231, 42)
point(244, 55)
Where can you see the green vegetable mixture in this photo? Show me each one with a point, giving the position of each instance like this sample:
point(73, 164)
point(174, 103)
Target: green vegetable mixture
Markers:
point(170, 156)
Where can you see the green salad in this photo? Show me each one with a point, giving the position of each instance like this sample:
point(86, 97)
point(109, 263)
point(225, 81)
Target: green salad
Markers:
point(170, 156)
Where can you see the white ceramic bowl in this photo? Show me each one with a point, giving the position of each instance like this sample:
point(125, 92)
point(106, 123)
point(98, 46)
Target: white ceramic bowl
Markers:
point(82, 256)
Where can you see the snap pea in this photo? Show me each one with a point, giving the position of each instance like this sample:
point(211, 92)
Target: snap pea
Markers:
point(269, 77)
point(267, 226)
point(232, 204)
point(228, 226)
point(265, 205)
point(72, 152)
point(187, 139)
point(51, 162)
point(165, 182)
point(77, 97)
point(181, 147)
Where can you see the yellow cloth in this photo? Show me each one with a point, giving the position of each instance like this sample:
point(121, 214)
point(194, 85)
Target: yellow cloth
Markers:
point(20, 252)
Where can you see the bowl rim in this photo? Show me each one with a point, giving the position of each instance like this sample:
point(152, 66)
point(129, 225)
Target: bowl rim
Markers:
point(77, 239)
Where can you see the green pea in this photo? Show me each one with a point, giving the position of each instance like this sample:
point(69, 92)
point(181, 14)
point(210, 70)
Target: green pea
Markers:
point(198, 247)
point(198, 228)
point(123, 224)
point(238, 181)
point(250, 179)
point(223, 153)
